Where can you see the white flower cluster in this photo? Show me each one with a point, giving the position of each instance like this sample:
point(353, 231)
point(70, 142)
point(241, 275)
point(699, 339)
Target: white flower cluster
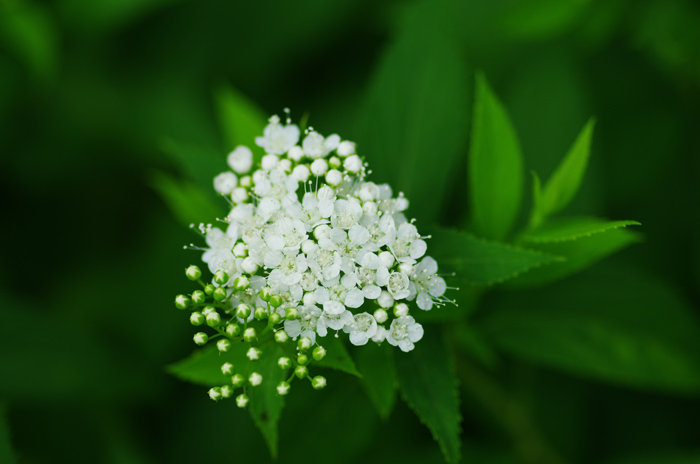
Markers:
point(308, 230)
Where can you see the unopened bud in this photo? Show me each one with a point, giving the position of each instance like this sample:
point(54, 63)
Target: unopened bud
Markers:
point(193, 273)
point(265, 294)
point(304, 343)
point(353, 164)
point(233, 329)
point(226, 391)
point(260, 313)
point(385, 299)
point(401, 309)
point(276, 301)
point(318, 382)
point(241, 283)
point(282, 388)
point(243, 311)
point(380, 316)
point(249, 334)
point(281, 336)
point(274, 318)
point(291, 313)
point(215, 393)
point(406, 268)
point(213, 319)
point(198, 297)
point(319, 353)
point(284, 362)
point(301, 371)
point(223, 345)
point(255, 379)
point(242, 400)
point(237, 380)
point(302, 359)
point(209, 289)
point(253, 353)
point(200, 338)
point(240, 250)
point(227, 369)
point(221, 278)
point(334, 162)
point(219, 294)
point(334, 178)
point(196, 319)
point(182, 302)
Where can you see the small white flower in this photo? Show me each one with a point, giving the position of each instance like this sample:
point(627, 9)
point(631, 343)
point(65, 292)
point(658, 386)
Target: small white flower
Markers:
point(428, 286)
point(333, 321)
point(278, 139)
point(314, 146)
point(404, 332)
point(363, 327)
point(346, 213)
point(296, 153)
point(305, 325)
point(398, 285)
point(240, 159)
point(380, 336)
point(385, 300)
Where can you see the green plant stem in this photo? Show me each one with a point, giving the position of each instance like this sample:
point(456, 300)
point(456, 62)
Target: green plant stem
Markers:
point(531, 446)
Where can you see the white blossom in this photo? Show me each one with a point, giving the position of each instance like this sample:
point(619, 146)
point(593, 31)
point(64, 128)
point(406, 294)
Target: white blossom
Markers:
point(404, 332)
point(277, 138)
point(240, 159)
point(363, 327)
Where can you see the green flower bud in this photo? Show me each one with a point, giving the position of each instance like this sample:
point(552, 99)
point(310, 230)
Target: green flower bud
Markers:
point(213, 319)
point(400, 310)
point(284, 362)
point(260, 313)
point(233, 329)
point(208, 310)
point(291, 314)
point(302, 359)
point(304, 343)
point(265, 294)
point(380, 316)
point(221, 278)
point(334, 162)
point(319, 353)
point(237, 380)
point(255, 379)
point(193, 273)
point(226, 391)
point(243, 311)
point(276, 301)
point(200, 338)
point(301, 371)
point(240, 250)
point(227, 369)
point(274, 318)
point(215, 393)
point(196, 319)
point(241, 283)
point(209, 289)
point(318, 382)
point(242, 400)
point(182, 302)
point(198, 297)
point(249, 334)
point(223, 345)
point(281, 336)
point(219, 294)
point(282, 388)
point(253, 353)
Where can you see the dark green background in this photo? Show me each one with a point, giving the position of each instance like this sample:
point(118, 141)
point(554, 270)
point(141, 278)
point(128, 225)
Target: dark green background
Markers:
point(91, 93)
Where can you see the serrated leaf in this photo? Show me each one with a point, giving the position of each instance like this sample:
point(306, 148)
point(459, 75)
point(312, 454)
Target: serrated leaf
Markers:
point(481, 262)
point(572, 228)
point(421, 73)
point(265, 404)
point(188, 203)
point(203, 367)
point(613, 324)
point(577, 254)
point(495, 166)
point(376, 364)
point(428, 384)
point(7, 455)
point(337, 356)
point(566, 179)
point(240, 120)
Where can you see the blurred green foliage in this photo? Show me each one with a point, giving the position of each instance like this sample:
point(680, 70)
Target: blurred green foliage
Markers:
point(113, 114)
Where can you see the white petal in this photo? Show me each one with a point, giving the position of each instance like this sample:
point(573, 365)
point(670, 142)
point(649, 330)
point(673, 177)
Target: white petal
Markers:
point(371, 292)
point(424, 301)
point(354, 298)
point(359, 338)
point(358, 235)
point(417, 249)
point(333, 307)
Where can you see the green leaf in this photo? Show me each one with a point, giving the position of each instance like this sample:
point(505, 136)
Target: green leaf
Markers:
point(578, 255)
point(240, 119)
point(197, 163)
point(671, 457)
point(540, 19)
point(614, 324)
point(375, 363)
point(337, 356)
point(265, 404)
point(495, 166)
point(566, 179)
point(188, 203)
point(429, 386)
point(416, 113)
point(572, 228)
point(481, 262)
point(203, 367)
point(7, 455)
